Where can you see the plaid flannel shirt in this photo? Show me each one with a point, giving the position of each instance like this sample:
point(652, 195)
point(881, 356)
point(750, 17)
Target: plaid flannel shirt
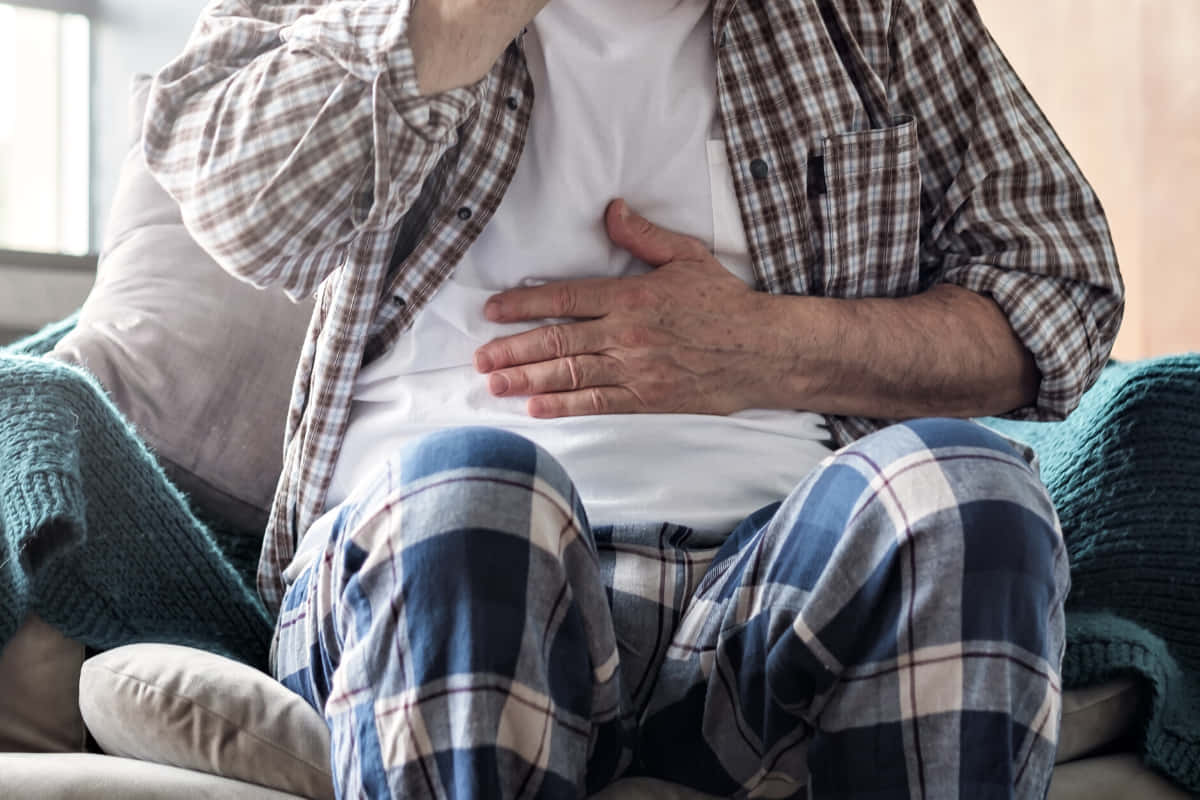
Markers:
point(878, 147)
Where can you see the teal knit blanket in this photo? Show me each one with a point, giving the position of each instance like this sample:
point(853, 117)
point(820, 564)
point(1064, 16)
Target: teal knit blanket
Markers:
point(1124, 472)
point(92, 535)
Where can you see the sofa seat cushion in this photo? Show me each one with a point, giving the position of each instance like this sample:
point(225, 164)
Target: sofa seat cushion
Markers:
point(1121, 776)
point(186, 708)
point(1097, 716)
point(94, 777)
point(86, 776)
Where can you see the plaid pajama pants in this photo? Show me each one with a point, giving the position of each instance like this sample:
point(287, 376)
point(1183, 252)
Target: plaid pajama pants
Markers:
point(892, 629)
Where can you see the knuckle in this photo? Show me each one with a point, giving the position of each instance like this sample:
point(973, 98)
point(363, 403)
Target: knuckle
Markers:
point(556, 341)
point(696, 249)
point(638, 297)
point(642, 226)
point(563, 302)
point(599, 401)
point(575, 377)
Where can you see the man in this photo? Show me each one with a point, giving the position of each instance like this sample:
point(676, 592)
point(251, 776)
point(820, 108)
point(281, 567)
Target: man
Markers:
point(549, 514)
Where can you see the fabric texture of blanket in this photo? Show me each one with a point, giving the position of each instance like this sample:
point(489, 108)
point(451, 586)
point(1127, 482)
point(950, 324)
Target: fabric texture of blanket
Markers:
point(92, 535)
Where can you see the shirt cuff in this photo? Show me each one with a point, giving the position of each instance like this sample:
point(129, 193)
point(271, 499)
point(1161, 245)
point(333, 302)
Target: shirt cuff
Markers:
point(369, 40)
point(1062, 326)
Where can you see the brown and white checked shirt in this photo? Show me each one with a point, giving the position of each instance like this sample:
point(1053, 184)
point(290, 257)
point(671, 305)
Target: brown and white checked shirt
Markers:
point(878, 147)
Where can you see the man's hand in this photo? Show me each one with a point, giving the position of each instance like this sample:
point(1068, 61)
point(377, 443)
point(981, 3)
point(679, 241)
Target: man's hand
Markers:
point(456, 42)
point(689, 337)
point(676, 339)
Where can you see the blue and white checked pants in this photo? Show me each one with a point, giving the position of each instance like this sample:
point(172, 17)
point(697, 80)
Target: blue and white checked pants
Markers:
point(892, 629)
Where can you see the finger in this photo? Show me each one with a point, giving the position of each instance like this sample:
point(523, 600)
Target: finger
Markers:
point(647, 241)
point(585, 402)
point(542, 344)
point(589, 297)
point(560, 375)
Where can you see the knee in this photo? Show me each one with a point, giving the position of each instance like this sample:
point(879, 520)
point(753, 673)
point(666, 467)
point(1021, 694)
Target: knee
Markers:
point(967, 512)
point(470, 448)
point(946, 486)
point(918, 437)
point(923, 466)
point(483, 488)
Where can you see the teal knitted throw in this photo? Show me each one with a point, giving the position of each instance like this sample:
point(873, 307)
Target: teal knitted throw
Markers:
point(1124, 472)
point(92, 535)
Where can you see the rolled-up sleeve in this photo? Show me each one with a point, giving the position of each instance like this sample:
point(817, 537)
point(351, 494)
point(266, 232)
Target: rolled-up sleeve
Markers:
point(285, 130)
point(1006, 211)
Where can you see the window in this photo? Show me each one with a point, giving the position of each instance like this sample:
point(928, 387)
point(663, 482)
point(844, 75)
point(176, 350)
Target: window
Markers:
point(45, 198)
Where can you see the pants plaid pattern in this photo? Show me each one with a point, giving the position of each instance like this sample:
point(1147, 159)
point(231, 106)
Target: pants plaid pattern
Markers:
point(892, 629)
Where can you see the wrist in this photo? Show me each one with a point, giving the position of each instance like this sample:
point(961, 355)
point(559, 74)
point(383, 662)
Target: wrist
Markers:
point(796, 340)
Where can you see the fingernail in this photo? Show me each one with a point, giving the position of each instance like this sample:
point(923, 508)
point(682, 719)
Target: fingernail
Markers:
point(623, 211)
point(498, 384)
point(483, 362)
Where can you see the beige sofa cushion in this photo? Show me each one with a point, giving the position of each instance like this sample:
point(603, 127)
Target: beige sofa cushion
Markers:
point(1096, 717)
point(85, 776)
point(39, 691)
point(187, 708)
point(1115, 777)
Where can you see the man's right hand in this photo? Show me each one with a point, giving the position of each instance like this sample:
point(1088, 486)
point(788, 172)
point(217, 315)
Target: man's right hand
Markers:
point(456, 42)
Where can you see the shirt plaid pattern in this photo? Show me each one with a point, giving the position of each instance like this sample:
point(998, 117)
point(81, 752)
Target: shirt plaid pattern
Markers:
point(878, 148)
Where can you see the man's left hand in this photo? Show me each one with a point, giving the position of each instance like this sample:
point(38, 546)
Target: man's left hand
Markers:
point(679, 339)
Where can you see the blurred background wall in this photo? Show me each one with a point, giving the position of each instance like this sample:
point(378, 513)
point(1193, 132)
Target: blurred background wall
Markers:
point(1120, 79)
point(126, 37)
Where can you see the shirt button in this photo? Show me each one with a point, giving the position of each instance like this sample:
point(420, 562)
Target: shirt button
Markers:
point(399, 302)
point(513, 103)
point(464, 213)
point(759, 169)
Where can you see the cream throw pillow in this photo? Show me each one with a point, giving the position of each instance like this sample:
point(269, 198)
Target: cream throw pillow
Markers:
point(187, 708)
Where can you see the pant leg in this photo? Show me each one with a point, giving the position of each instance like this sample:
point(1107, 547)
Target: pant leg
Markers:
point(895, 629)
point(456, 632)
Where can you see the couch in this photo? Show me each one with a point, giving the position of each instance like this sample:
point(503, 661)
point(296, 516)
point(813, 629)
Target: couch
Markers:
point(200, 365)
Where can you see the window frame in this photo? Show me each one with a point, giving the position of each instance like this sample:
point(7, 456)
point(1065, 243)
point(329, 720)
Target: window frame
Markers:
point(66, 262)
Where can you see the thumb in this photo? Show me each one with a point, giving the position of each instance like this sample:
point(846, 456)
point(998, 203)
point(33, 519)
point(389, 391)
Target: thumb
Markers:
point(645, 240)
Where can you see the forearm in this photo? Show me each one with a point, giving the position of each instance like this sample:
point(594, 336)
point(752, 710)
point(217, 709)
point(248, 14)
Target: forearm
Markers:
point(945, 352)
point(455, 42)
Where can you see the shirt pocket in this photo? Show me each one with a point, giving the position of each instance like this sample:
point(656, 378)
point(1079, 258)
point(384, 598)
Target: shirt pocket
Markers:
point(870, 210)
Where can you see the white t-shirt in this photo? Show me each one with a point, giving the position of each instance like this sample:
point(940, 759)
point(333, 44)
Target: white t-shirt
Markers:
point(625, 106)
